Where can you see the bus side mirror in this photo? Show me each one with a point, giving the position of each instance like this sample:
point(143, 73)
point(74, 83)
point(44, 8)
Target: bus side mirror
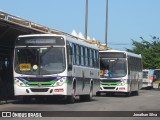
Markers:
point(154, 77)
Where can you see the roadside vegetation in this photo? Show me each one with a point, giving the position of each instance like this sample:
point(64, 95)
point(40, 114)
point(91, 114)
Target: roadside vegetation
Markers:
point(150, 51)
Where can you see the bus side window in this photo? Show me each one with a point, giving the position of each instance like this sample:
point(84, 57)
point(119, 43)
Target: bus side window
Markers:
point(97, 59)
point(69, 53)
point(77, 54)
point(129, 66)
point(80, 62)
point(73, 54)
point(91, 57)
point(86, 57)
point(94, 58)
point(82, 56)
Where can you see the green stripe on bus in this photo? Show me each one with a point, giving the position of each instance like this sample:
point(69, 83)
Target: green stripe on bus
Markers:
point(35, 83)
point(108, 83)
point(66, 81)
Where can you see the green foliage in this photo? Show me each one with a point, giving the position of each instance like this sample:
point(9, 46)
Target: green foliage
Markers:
point(150, 52)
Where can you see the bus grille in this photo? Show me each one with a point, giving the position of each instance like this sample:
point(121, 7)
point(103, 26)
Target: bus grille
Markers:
point(39, 90)
point(109, 84)
point(111, 80)
point(44, 85)
point(43, 79)
point(109, 87)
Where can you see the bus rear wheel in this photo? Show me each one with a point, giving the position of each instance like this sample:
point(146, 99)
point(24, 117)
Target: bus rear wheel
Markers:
point(90, 96)
point(87, 97)
point(136, 93)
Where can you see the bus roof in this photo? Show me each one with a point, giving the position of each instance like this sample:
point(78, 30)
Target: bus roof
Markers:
point(34, 35)
point(127, 53)
point(70, 39)
point(82, 43)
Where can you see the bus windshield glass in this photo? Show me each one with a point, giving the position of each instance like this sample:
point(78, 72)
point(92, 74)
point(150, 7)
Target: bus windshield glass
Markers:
point(157, 74)
point(40, 61)
point(145, 74)
point(113, 68)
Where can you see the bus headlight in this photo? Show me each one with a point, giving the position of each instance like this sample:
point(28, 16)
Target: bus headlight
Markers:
point(19, 83)
point(122, 83)
point(60, 82)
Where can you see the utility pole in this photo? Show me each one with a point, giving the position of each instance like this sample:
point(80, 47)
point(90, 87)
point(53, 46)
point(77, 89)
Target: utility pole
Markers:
point(106, 31)
point(86, 19)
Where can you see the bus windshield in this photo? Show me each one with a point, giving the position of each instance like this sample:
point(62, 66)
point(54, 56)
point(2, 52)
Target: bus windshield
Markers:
point(113, 68)
point(156, 74)
point(40, 61)
point(145, 74)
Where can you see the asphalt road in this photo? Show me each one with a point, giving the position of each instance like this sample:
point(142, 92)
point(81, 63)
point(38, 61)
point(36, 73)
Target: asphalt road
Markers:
point(148, 100)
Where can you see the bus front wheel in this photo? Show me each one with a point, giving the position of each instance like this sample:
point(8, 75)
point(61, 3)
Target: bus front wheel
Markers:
point(98, 93)
point(71, 98)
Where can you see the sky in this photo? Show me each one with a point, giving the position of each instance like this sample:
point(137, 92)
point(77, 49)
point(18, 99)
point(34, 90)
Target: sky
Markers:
point(127, 19)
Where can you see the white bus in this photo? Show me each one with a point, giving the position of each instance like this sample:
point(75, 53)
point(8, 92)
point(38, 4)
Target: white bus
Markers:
point(156, 79)
point(120, 72)
point(55, 65)
point(148, 75)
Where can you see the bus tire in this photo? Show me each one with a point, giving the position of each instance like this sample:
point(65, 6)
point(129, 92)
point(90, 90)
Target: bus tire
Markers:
point(87, 97)
point(137, 92)
point(82, 97)
point(128, 94)
point(90, 96)
point(71, 98)
point(98, 93)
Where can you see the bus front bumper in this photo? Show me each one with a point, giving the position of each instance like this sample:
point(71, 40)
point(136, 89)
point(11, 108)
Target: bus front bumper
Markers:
point(18, 91)
point(104, 89)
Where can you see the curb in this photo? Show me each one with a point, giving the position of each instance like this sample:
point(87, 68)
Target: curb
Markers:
point(6, 101)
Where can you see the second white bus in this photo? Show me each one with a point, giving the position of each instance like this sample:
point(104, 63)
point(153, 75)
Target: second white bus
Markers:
point(120, 72)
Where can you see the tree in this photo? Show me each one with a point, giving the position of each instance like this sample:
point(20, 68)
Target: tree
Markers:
point(150, 52)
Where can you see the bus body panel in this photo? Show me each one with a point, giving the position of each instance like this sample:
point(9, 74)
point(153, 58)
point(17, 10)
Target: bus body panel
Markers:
point(84, 77)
